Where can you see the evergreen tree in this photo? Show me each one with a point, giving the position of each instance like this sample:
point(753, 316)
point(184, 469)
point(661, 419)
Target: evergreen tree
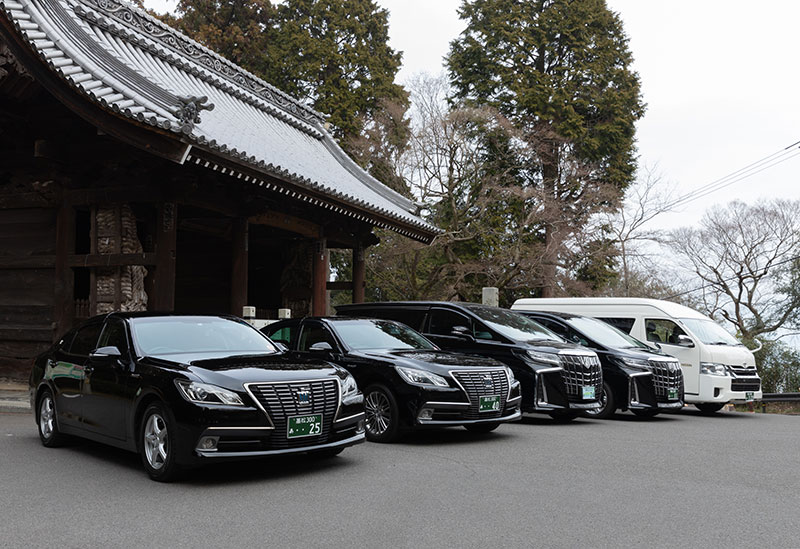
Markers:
point(559, 71)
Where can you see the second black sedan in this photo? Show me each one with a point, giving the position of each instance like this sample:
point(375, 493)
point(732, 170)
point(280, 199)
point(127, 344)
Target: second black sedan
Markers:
point(406, 380)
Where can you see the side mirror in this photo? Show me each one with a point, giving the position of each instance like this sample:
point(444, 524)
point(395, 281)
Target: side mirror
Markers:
point(463, 332)
point(685, 341)
point(106, 352)
point(321, 347)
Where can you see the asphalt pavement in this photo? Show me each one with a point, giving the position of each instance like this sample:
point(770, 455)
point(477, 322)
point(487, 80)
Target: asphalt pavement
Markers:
point(678, 480)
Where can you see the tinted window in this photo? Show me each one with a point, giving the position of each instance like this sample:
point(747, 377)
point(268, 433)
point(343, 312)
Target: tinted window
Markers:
point(114, 336)
point(282, 334)
point(86, 340)
point(411, 318)
point(709, 332)
point(606, 335)
point(443, 322)
point(379, 334)
point(192, 334)
point(314, 333)
point(622, 324)
point(512, 325)
point(661, 330)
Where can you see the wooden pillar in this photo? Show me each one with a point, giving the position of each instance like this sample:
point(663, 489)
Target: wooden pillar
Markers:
point(239, 265)
point(64, 275)
point(319, 283)
point(359, 273)
point(166, 244)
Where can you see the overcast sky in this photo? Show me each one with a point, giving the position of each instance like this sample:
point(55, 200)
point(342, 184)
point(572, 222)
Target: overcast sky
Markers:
point(720, 79)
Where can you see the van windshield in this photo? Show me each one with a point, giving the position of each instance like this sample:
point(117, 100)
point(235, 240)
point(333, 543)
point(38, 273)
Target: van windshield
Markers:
point(513, 325)
point(605, 334)
point(709, 332)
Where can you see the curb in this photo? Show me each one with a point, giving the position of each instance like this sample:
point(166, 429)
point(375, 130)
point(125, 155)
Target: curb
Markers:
point(14, 407)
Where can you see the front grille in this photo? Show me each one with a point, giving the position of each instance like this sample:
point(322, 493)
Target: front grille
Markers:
point(280, 402)
point(581, 370)
point(743, 371)
point(745, 385)
point(482, 383)
point(667, 375)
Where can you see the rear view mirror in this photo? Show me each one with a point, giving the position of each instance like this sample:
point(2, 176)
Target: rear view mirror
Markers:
point(462, 332)
point(106, 352)
point(685, 341)
point(321, 347)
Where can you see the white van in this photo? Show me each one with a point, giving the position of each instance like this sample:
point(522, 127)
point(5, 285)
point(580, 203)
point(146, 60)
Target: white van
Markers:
point(716, 367)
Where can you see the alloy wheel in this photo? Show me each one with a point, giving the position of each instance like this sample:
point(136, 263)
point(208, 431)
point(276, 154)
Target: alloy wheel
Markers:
point(155, 441)
point(378, 412)
point(46, 417)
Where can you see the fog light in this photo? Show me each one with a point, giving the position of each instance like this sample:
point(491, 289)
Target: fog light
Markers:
point(208, 443)
point(425, 413)
point(360, 427)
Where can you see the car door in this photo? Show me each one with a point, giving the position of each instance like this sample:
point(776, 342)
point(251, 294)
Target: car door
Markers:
point(68, 374)
point(665, 333)
point(105, 391)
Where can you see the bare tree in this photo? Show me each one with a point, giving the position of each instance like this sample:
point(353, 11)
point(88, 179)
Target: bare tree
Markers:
point(747, 258)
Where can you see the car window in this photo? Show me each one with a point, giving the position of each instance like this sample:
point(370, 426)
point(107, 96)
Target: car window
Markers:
point(410, 317)
point(564, 331)
point(364, 334)
point(114, 335)
point(86, 340)
point(197, 334)
point(623, 324)
point(282, 334)
point(443, 321)
point(314, 333)
point(661, 330)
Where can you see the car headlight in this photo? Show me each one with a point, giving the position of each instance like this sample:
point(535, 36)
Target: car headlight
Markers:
point(421, 377)
point(510, 374)
point(546, 358)
point(713, 369)
point(203, 393)
point(349, 386)
point(639, 363)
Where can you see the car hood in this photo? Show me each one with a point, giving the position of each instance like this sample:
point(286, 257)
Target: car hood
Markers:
point(438, 362)
point(233, 371)
point(733, 355)
point(550, 346)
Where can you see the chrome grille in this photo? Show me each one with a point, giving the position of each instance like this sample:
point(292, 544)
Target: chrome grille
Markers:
point(666, 375)
point(482, 383)
point(581, 370)
point(744, 378)
point(743, 371)
point(281, 402)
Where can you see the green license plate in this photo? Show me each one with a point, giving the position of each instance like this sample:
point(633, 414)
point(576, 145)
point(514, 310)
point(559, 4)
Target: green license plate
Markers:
point(489, 403)
point(749, 397)
point(588, 392)
point(672, 394)
point(304, 426)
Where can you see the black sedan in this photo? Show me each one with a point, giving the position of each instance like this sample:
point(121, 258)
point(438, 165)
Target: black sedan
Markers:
point(184, 390)
point(407, 381)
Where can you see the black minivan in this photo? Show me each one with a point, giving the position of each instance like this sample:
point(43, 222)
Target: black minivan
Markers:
point(636, 377)
point(558, 378)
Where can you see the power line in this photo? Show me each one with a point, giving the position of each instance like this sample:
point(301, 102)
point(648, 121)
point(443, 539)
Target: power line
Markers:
point(758, 166)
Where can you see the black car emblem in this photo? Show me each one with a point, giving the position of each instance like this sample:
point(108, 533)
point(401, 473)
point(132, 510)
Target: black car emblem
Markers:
point(487, 381)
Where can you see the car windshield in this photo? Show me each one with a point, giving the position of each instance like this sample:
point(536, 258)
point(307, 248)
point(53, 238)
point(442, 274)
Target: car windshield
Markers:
point(605, 334)
point(513, 325)
point(197, 334)
point(363, 335)
point(709, 332)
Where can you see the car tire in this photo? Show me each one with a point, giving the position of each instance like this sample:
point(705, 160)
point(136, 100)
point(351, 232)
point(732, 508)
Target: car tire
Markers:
point(482, 427)
point(47, 419)
point(709, 407)
point(645, 413)
point(157, 444)
point(608, 404)
point(382, 414)
point(563, 416)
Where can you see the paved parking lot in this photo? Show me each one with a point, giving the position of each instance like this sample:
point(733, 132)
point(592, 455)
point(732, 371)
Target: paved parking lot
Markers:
point(678, 480)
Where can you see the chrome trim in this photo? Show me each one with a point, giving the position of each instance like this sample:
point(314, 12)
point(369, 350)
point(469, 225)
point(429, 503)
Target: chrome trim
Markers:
point(432, 403)
point(239, 428)
point(516, 398)
point(260, 407)
point(346, 442)
point(542, 402)
point(516, 415)
point(677, 404)
point(349, 417)
point(478, 370)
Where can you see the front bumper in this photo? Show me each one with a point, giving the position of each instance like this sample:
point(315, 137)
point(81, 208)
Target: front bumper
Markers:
point(355, 439)
point(452, 413)
point(719, 389)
